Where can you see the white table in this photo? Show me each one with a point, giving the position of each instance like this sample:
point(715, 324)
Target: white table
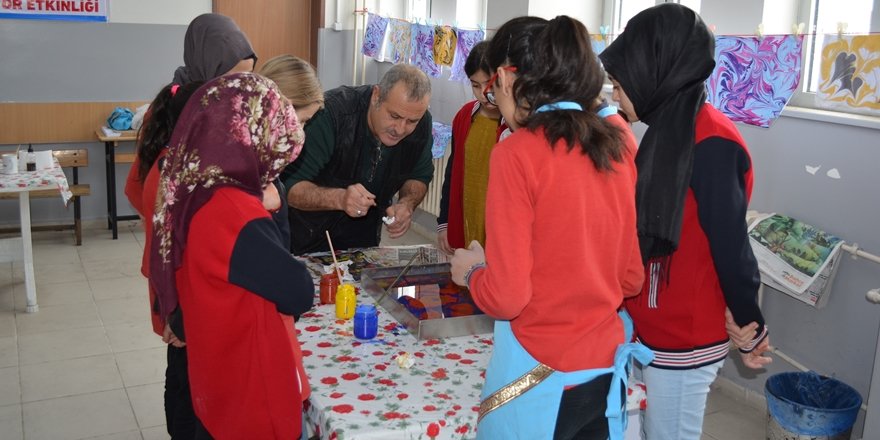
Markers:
point(21, 248)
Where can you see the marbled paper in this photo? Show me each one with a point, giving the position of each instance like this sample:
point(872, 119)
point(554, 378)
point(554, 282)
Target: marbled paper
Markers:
point(399, 41)
point(444, 45)
point(754, 77)
point(374, 35)
point(423, 49)
point(849, 77)
point(467, 39)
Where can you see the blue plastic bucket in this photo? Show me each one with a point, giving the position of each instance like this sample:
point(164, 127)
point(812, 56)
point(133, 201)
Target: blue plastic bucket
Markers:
point(810, 405)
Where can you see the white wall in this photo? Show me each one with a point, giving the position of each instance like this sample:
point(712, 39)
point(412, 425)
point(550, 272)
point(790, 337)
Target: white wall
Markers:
point(157, 11)
point(589, 12)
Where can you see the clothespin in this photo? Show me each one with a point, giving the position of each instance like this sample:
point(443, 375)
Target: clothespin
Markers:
point(797, 29)
point(712, 28)
point(841, 28)
point(759, 32)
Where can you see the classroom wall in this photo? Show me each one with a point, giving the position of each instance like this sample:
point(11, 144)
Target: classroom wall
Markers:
point(127, 59)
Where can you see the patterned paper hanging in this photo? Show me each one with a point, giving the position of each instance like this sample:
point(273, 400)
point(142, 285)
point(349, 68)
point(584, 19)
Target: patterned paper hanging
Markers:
point(423, 49)
point(374, 35)
point(849, 77)
point(467, 39)
point(755, 77)
point(598, 43)
point(444, 45)
point(399, 41)
point(442, 136)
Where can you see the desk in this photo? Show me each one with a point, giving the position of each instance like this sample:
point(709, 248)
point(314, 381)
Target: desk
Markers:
point(110, 161)
point(360, 392)
point(22, 183)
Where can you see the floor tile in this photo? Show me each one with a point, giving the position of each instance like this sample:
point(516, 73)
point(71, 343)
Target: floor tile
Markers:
point(10, 422)
point(103, 269)
point(69, 377)
point(10, 391)
point(62, 317)
point(148, 404)
point(108, 252)
point(48, 254)
point(8, 351)
point(52, 294)
point(118, 288)
point(136, 335)
point(7, 324)
point(53, 273)
point(7, 296)
point(142, 367)
point(727, 419)
point(60, 345)
point(80, 416)
point(156, 433)
point(124, 311)
point(128, 435)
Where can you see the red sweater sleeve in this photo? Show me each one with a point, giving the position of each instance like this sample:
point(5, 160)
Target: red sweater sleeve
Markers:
point(134, 188)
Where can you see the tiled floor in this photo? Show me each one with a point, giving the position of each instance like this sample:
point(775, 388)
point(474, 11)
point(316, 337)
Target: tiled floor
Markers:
point(87, 365)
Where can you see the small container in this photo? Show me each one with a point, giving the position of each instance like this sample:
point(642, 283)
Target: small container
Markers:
point(31, 162)
point(366, 321)
point(329, 284)
point(345, 301)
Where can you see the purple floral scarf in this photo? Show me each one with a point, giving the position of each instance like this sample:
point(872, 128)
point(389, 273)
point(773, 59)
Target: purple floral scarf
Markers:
point(236, 130)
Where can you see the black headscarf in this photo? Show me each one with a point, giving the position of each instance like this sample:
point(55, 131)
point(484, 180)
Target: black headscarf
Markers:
point(662, 60)
point(213, 45)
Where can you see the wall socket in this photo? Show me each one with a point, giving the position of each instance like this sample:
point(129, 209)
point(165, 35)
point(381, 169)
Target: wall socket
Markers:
point(337, 26)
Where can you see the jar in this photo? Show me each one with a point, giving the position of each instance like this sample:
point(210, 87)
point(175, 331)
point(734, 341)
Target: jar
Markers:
point(366, 321)
point(345, 301)
point(329, 284)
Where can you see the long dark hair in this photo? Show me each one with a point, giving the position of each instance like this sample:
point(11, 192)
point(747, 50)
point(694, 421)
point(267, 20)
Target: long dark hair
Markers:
point(159, 124)
point(555, 62)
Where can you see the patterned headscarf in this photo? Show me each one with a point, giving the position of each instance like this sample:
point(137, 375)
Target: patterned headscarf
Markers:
point(662, 61)
point(237, 130)
point(213, 45)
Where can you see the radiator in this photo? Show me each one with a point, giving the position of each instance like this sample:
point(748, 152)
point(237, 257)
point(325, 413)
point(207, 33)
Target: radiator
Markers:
point(431, 204)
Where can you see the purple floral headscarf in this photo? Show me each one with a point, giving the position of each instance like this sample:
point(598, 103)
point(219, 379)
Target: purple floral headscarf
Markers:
point(237, 130)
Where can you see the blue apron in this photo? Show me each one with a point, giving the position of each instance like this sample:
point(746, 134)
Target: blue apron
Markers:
point(532, 414)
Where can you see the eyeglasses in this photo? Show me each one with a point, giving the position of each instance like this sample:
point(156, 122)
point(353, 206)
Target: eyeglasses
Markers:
point(488, 92)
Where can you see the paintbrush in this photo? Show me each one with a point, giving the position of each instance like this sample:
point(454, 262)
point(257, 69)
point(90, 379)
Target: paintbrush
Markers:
point(333, 254)
point(402, 273)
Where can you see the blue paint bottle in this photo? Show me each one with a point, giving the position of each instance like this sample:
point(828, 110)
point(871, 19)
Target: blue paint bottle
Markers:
point(366, 321)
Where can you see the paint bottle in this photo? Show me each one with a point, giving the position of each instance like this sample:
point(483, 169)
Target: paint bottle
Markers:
point(366, 321)
point(345, 301)
point(329, 284)
point(31, 162)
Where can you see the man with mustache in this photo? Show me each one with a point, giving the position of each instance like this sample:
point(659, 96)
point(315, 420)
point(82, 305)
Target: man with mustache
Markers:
point(367, 144)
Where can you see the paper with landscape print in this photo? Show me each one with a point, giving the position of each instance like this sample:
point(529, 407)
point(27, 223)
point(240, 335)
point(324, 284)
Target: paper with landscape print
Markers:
point(467, 39)
point(374, 35)
point(849, 77)
point(797, 258)
point(444, 45)
point(399, 41)
point(423, 49)
point(754, 77)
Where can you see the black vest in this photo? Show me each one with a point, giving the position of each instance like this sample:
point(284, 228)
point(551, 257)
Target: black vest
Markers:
point(348, 108)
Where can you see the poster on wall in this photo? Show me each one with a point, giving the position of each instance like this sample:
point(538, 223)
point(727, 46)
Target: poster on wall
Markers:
point(68, 10)
point(754, 77)
point(849, 78)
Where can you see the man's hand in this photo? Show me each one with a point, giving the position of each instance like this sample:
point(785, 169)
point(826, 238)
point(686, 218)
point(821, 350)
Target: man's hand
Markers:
point(356, 200)
point(402, 214)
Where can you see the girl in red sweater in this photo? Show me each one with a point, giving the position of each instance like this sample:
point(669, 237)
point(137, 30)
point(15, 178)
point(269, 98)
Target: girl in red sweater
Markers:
point(561, 246)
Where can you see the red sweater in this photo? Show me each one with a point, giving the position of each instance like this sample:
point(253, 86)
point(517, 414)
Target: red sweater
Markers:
point(561, 248)
point(682, 321)
point(235, 278)
point(142, 197)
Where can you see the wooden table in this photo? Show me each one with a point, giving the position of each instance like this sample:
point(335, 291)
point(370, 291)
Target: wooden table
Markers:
point(110, 161)
point(22, 248)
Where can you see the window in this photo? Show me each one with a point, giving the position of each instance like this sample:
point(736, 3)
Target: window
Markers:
point(826, 16)
point(626, 9)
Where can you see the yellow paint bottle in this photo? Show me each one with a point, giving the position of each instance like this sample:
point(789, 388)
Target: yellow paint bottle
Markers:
point(345, 301)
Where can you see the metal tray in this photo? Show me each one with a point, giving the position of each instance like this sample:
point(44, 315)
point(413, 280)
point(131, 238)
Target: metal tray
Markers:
point(417, 301)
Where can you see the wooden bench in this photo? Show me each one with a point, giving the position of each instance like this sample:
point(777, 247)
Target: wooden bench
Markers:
point(73, 159)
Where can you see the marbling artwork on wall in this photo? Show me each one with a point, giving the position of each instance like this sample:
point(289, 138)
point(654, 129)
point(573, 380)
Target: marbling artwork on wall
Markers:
point(423, 49)
point(467, 39)
point(442, 136)
point(445, 41)
point(399, 41)
point(374, 35)
point(849, 77)
point(754, 77)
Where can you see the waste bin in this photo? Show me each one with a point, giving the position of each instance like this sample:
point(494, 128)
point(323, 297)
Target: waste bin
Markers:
point(807, 405)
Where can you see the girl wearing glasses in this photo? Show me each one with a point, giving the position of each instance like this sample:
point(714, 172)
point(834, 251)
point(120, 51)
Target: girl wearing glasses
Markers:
point(561, 245)
point(475, 131)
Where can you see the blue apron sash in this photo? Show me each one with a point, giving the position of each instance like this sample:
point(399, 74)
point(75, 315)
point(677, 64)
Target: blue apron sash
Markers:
point(521, 396)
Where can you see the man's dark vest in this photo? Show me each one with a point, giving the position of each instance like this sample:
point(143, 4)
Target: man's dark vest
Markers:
point(348, 108)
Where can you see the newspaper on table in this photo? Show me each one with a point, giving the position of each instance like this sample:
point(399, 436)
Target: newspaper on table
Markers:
point(795, 258)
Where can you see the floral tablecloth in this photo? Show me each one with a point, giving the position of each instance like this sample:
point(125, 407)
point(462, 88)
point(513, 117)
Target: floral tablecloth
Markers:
point(360, 392)
point(41, 179)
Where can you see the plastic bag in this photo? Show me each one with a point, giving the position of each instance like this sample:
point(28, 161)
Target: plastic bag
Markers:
point(120, 119)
